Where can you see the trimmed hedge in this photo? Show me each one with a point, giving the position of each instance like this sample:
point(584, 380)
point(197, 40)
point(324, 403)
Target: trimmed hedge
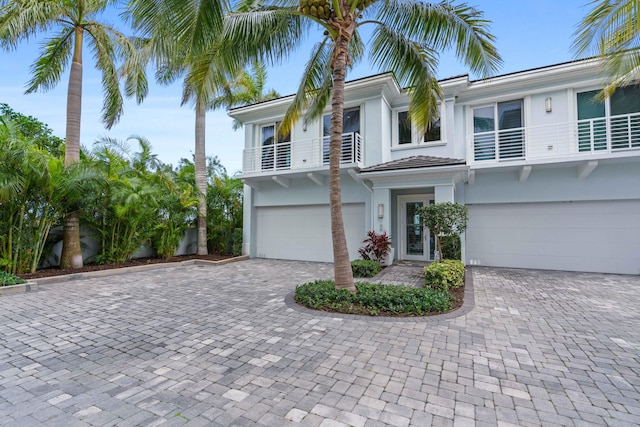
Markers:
point(373, 299)
point(446, 274)
point(365, 268)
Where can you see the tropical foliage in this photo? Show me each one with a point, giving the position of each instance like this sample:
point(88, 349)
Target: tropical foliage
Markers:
point(140, 203)
point(68, 24)
point(184, 40)
point(128, 199)
point(36, 191)
point(405, 40)
point(611, 31)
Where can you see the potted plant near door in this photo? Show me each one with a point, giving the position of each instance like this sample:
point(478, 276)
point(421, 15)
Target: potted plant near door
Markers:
point(377, 247)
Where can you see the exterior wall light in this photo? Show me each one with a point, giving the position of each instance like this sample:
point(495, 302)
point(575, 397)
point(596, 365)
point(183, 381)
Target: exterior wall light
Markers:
point(380, 211)
point(547, 104)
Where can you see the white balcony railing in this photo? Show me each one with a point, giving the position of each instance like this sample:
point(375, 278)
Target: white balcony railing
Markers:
point(305, 154)
point(574, 139)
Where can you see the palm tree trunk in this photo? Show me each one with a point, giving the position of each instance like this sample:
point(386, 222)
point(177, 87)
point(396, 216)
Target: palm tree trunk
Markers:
point(341, 262)
point(71, 256)
point(201, 175)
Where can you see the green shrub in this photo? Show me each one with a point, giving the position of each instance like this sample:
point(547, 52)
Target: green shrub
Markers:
point(451, 247)
point(237, 242)
point(445, 275)
point(373, 299)
point(365, 268)
point(8, 279)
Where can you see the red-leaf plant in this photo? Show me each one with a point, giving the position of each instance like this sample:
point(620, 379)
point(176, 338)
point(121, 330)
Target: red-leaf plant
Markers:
point(376, 247)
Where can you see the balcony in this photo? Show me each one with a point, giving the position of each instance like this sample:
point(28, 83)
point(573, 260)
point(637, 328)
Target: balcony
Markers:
point(300, 155)
point(612, 136)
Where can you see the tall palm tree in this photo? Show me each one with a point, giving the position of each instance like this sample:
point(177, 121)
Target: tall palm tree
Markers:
point(71, 24)
point(184, 41)
point(406, 38)
point(183, 38)
point(611, 30)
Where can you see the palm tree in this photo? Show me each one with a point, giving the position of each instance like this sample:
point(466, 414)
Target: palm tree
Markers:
point(247, 88)
point(70, 22)
point(407, 34)
point(184, 40)
point(612, 32)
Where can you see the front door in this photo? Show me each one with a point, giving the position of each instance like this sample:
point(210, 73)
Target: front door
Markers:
point(414, 239)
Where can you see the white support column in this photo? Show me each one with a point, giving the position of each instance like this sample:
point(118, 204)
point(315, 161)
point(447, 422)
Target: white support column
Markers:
point(444, 193)
point(248, 221)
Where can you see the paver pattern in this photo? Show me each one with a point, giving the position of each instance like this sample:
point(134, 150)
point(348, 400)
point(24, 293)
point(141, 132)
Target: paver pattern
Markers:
point(217, 345)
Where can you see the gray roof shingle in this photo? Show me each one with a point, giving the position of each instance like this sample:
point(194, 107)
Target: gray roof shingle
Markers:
point(413, 162)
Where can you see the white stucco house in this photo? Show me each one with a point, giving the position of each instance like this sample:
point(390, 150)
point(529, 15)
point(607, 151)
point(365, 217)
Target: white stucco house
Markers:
point(551, 177)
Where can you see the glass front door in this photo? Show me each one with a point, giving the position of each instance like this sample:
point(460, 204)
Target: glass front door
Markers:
point(415, 241)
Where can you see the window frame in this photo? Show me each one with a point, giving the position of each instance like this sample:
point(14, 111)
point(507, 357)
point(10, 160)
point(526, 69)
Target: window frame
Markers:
point(606, 141)
point(497, 154)
point(274, 124)
point(417, 140)
point(607, 101)
point(270, 157)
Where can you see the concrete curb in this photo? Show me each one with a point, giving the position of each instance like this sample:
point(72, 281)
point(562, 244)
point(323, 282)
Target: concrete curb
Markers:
point(137, 268)
point(19, 289)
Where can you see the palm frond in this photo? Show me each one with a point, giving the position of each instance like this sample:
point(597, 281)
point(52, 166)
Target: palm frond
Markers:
point(206, 75)
point(623, 69)
point(612, 26)
point(414, 65)
point(103, 48)
point(611, 31)
point(441, 26)
point(314, 76)
point(21, 20)
point(49, 66)
point(137, 54)
point(275, 32)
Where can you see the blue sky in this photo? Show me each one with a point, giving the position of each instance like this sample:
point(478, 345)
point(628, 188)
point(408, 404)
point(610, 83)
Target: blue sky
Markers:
point(530, 34)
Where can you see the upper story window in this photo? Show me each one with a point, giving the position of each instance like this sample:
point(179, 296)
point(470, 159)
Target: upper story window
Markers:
point(276, 147)
point(406, 134)
point(350, 136)
point(498, 131)
point(614, 122)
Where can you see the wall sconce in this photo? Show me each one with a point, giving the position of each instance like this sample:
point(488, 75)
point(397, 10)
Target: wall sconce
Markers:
point(304, 126)
point(380, 211)
point(547, 104)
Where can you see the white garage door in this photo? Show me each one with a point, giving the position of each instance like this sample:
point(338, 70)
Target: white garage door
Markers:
point(304, 232)
point(575, 236)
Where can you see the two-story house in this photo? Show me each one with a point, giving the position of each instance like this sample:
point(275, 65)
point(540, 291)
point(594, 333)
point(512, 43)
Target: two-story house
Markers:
point(550, 175)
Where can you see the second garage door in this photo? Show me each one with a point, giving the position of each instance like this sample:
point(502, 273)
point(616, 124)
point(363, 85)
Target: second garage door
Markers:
point(304, 232)
point(598, 236)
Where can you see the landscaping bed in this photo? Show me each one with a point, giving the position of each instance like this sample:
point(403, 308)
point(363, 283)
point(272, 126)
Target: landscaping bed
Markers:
point(55, 271)
point(442, 292)
point(379, 299)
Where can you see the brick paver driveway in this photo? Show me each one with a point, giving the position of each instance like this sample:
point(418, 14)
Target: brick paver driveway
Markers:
point(216, 345)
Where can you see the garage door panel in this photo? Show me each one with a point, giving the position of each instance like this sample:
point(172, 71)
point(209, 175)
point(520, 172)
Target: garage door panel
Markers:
point(304, 232)
point(579, 236)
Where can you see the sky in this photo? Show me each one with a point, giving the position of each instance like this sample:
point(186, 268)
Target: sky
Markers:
point(529, 34)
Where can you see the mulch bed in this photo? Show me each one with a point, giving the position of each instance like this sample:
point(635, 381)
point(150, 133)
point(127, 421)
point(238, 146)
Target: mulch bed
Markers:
point(458, 294)
point(55, 271)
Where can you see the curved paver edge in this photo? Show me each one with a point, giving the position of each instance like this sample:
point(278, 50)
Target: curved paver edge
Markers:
point(467, 306)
